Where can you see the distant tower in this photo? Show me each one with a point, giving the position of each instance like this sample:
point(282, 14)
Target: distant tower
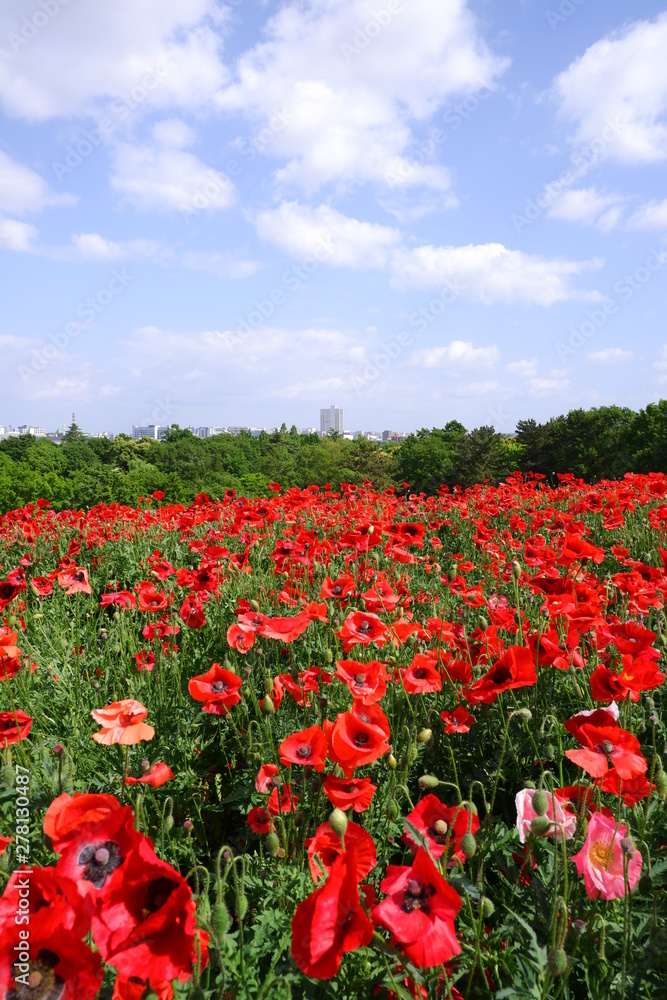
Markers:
point(331, 419)
point(73, 419)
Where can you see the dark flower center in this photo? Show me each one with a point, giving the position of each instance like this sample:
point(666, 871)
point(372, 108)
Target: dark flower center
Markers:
point(337, 589)
point(361, 739)
point(101, 860)
point(158, 893)
point(218, 686)
point(416, 896)
point(419, 673)
point(502, 675)
point(359, 680)
point(43, 984)
point(438, 831)
point(304, 751)
point(606, 746)
point(365, 626)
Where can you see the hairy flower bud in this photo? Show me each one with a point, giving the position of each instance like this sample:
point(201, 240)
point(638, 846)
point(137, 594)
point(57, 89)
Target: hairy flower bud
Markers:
point(428, 781)
point(220, 920)
point(540, 803)
point(540, 825)
point(424, 735)
point(487, 907)
point(272, 843)
point(267, 706)
point(557, 962)
point(391, 810)
point(468, 845)
point(338, 822)
point(516, 569)
point(392, 763)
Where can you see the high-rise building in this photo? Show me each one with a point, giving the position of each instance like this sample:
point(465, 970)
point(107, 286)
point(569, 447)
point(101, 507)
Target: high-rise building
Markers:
point(331, 420)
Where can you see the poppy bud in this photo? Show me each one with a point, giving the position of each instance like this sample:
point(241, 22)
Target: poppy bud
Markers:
point(661, 785)
point(116, 616)
point(412, 754)
point(254, 605)
point(59, 750)
point(540, 825)
point(228, 665)
point(328, 656)
point(188, 824)
point(391, 810)
point(516, 569)
point(557, 962)
point(294, 673)
point(272, 844)
point(468, 845)
point(221, 920)
point(487, 907)
point(338, 822)
point(241, 906)
point(145, 764)
point(540, 803)
point(579, 926)
point(550, 751)
point(628, 847)
point(525, 714)
point(63, 643)
point(392, 763)
point(424, 735)
point(267, 706)
point(268, 684)
point(452, 572)
point(8, 776)
point(428, 781)
point(483, 623)
point(168, 822)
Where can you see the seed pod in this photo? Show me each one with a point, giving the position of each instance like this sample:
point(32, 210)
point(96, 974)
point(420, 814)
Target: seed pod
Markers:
point(221, 920)
point(468, 845)
point(338, 822)
point(540, 825)
point(557, 962)
point(540, 803)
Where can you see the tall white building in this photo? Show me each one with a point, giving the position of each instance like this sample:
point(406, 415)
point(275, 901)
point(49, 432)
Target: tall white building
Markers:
point(331, 420)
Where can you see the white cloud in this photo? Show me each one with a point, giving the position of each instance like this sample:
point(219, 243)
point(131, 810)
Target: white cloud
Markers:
point(621, 79)
point(164, 177)
point(92, 246)
point(22, 190)
point(299, 230)
point(660, 364)
point(587, 205)
point(547, 386)
point(349, 86)
point(17, 236)
point(610, 356)
point(491, 273)
point(221, 265)
point(86, 53)
point(457, 356)
point(653, 215)
point(523, 369)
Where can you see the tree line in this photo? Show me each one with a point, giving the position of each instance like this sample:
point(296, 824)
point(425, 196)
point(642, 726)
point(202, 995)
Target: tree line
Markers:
point(594, 444)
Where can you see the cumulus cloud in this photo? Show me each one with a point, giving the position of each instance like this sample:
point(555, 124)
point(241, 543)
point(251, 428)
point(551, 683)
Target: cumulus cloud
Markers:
point(491, 273)
point(457, 356)
point(526, 368)
point(610, 356)
point(18, 236)
point(588, 206)
point(351, 80)
point(620, 79)
point(299, 230)
point(22, 190)
point(653, 215)
point(73, 57)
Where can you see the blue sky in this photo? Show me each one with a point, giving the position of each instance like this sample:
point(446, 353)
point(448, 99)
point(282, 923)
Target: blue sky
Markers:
point(236, 213)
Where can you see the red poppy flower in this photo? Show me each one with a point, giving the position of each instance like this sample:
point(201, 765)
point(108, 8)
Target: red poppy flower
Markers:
point(316, 611)
point(458, 721)
point(9, 733)
point(515, 669)
point(628, 637)
point(282, 800)
point(284, 629)
point(57, 963)
point(47, 888)
point(575, 549)
point(349, 792)
point(4, 844)
point(357, 737)
point(145, 660)
point(330, 922)
point(603, 738)
point(119, 599)
point(75, 581)
point(192, 613)
point(326, 844)
point(420, 910)
point(443, 826)
point(42, 586)
point(422, 676)
point(134, 988)
point(122, 722)
point(9, 665)
point(264, 780)
point(633, 790)
point(240, 638)
point(337, 590)
point(67, 815)
point(366, 681)
point(147, 922)
point(307, 747)
point(159, 774)
point(217, 688)
point(97, 850)
point(259, 820)
point(152, 600)
point(362, 628)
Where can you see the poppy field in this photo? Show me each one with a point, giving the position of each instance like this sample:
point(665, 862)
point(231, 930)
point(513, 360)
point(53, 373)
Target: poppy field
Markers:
point(336, 743)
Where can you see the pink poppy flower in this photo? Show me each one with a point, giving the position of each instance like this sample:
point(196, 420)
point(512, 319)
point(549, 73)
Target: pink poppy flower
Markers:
point(525, 814)
point(600, 860)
